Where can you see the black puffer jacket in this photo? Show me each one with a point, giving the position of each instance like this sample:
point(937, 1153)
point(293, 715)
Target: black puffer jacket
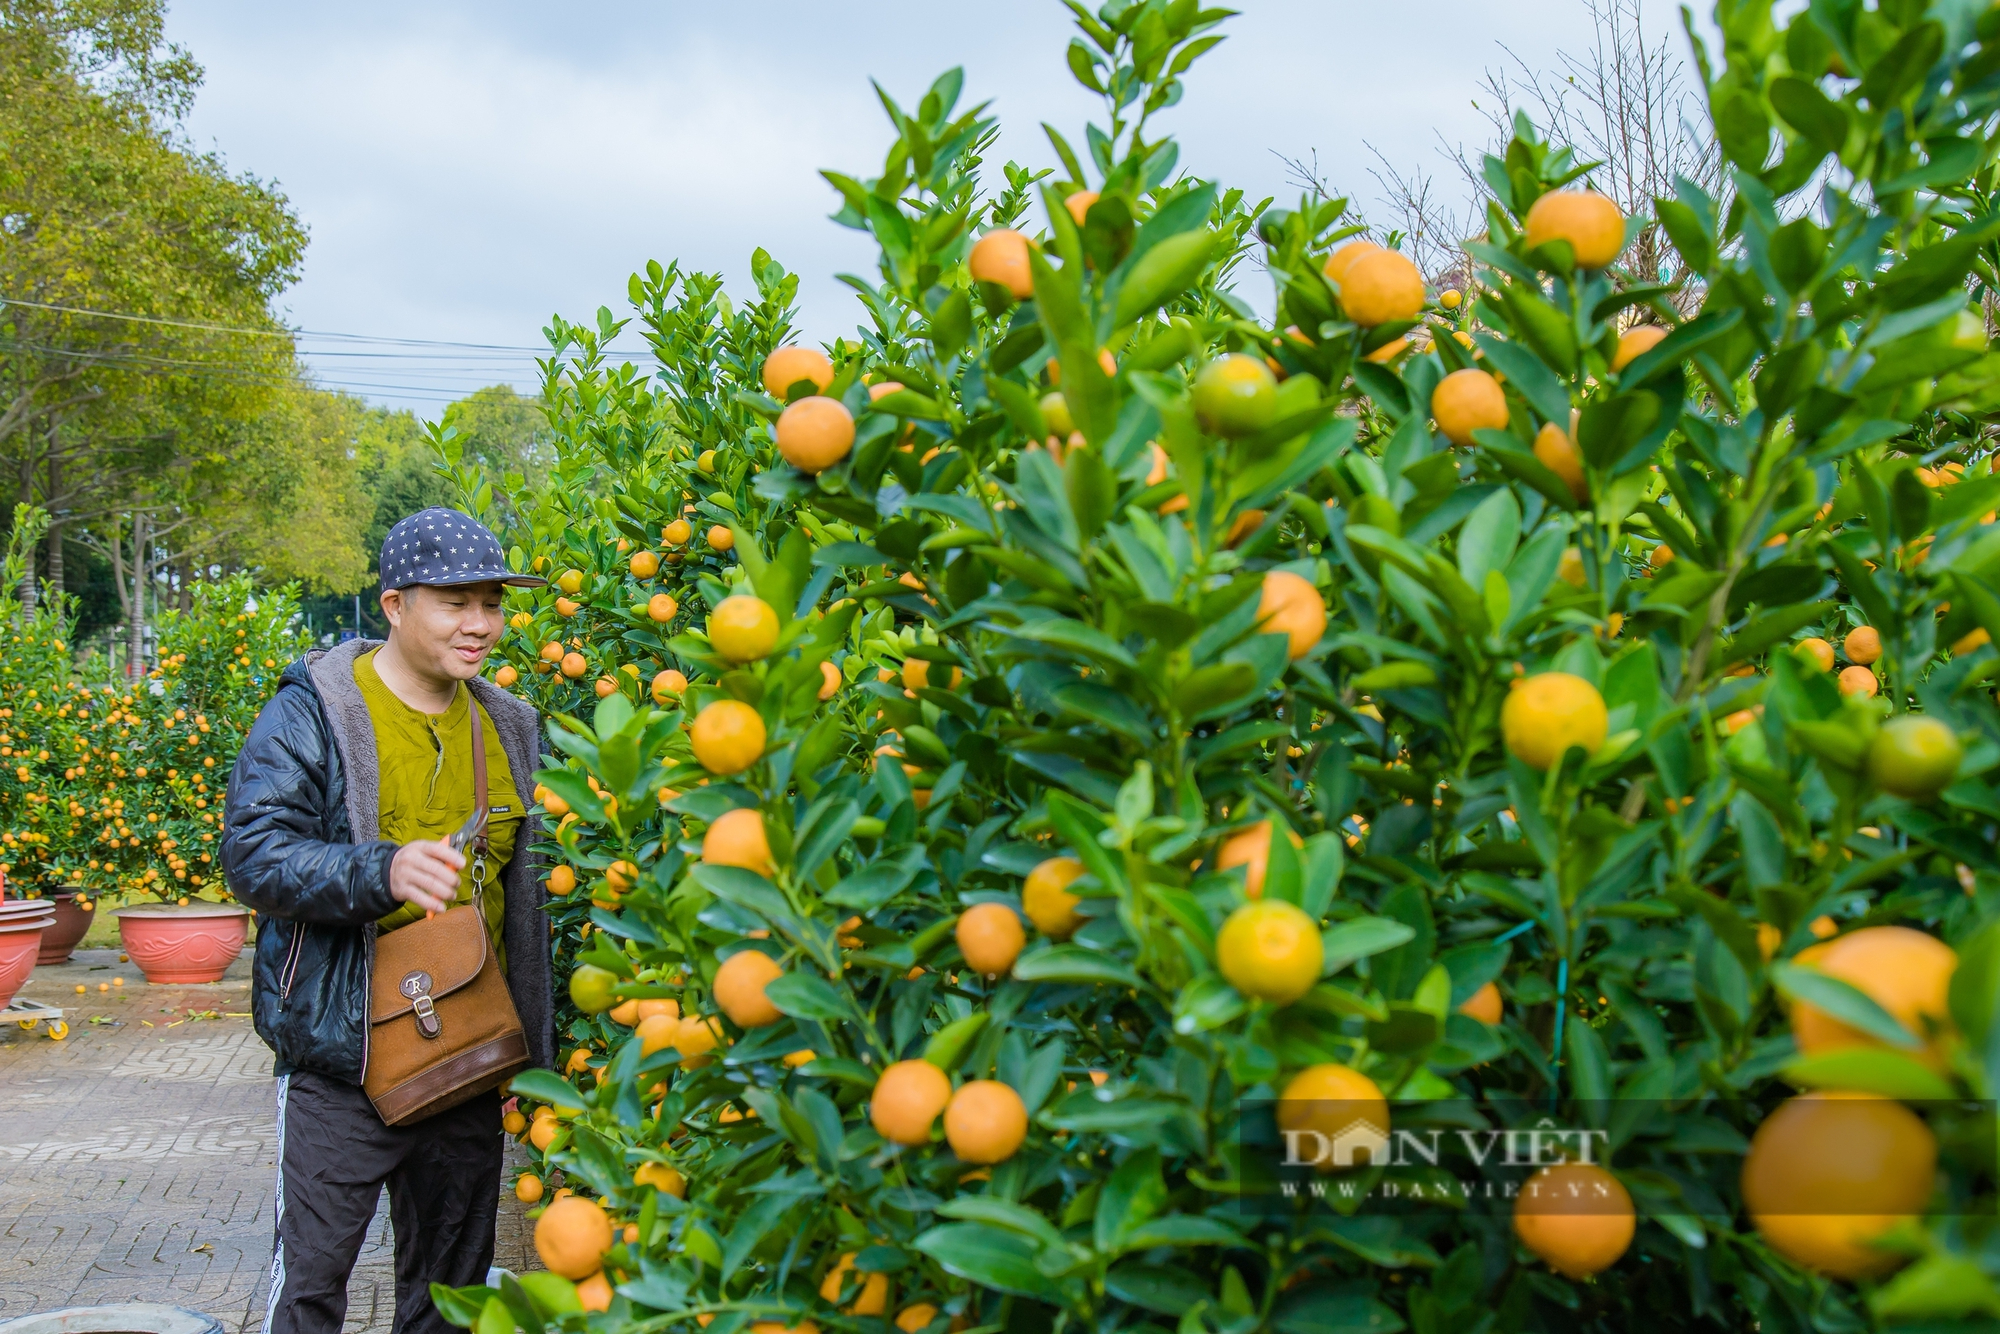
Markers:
point(300, 846)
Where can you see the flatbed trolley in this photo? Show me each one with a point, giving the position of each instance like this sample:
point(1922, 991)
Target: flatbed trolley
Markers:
point(28, 1013)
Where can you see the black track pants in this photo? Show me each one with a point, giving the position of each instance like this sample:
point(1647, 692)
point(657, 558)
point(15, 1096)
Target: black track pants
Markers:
point(334, 1154)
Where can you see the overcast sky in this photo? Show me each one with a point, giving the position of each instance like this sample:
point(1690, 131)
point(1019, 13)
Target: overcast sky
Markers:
point(466, 169)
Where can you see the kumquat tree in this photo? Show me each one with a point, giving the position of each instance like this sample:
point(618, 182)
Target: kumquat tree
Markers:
point(1070, 803)
point(117, 789)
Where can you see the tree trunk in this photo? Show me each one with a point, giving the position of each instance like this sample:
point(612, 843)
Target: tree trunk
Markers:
point(135, 615)
point(54, 580)
point(27, 589)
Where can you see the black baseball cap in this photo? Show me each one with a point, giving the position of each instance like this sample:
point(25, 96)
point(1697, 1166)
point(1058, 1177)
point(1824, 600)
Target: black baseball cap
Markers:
point(442, 547)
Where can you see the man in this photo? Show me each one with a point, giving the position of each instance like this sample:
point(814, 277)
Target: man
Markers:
point(347, 785)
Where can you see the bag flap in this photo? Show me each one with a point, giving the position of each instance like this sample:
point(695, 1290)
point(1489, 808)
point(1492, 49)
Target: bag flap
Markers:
point(446, 951)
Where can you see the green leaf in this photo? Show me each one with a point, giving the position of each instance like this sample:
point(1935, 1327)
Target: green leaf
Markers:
point(1548, 331)
point(1980, 600)
point(699, 1242)
point(1861, 583)
point(908, 403)
point(1073, 963)
point(1519, 463)
point(1809, 111)
point(1182, 1230)
point(1325, 861)
point(1488, 539)
point(1767, 628)
point(1082, 66)
point(947, 1046)
point(1161, 274)
point(1315, 1308)
point(1611, 426)
point(1210, 692)
point(552, 1294)
point(461, 1306)
point(1927, 272)
point(848, 555)
point(1129, 1198)
point(1588, 1067)
point(1169, 1291)
point(871, 886)
point(951, 324)
point(549, 1087)
point(1207, 1003)
point(1076, 636)
point(1406, 1031)
point(1017, 1218)
point(989, 1256)
point(1537, 383)
point(1433, 994)
point(1472, 967)
point(1395, 676)
point(1083, 1111)
point(1975, 985)
point(1092, 398)
point(1870, 1070)
point(1940, 1287)
point(1903, 66)
point(804, 996)
point(1741, 127)
point(825, 830)
point(1359, 938)
point(1850, 1005)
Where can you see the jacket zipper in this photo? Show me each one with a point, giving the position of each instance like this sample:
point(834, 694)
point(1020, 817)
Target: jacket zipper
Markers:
point(367, 997)
point(292, 963)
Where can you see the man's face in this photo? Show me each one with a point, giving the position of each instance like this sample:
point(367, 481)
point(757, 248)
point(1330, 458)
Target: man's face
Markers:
point(446, 630)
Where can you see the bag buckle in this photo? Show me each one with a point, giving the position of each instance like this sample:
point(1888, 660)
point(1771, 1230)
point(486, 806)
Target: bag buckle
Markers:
point(417, 986)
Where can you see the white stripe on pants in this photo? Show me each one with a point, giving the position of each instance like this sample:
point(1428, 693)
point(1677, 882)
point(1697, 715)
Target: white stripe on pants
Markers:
point(278, 1211)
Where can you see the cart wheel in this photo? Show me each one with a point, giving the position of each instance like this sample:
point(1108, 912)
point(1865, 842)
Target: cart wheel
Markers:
point(58, 1029)
point(27, 1025)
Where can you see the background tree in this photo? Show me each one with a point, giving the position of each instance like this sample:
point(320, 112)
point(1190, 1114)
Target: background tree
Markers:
point(150, 400)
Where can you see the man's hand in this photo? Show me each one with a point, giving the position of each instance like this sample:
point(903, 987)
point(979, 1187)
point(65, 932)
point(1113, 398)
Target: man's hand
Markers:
point(426, 874)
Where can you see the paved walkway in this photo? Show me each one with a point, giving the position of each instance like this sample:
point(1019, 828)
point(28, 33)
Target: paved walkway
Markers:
point(137, 1155)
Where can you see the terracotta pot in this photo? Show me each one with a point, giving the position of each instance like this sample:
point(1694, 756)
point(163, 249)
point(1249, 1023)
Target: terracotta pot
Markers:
point(18, 945)
point(175, 944)
point(61, 935)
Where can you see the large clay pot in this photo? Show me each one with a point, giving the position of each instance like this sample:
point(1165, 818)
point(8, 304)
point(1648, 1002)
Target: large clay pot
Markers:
point(171, 943)
point(18, 945)
point(60, 936)
point(137, 1317)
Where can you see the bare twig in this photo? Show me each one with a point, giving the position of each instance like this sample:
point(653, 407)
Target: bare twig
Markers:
point(1627, 105)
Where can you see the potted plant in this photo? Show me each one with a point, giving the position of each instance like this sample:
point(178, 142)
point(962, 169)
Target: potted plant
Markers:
point(184, 940)
point(219, 662)
point(74, 909)
point(21, 927)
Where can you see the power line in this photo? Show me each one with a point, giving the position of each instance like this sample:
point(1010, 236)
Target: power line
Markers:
point(293, 333)
point(453, 372)
point(245, 374)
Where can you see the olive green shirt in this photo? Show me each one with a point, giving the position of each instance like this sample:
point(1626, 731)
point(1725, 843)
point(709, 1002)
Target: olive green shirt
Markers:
point(425, 760)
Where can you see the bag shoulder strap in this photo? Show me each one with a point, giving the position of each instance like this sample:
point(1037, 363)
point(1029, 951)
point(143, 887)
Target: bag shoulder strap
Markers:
point(478, 763)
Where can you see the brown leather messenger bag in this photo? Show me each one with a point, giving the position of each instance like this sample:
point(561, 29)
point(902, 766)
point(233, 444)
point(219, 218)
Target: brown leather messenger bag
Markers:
point(442, 1027)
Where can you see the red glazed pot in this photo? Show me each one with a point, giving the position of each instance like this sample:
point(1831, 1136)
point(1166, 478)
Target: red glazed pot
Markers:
point(18, 945)
point(175, 944)
point(60, 936)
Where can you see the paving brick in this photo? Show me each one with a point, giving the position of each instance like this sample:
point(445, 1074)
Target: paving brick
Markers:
point(138, 1156)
